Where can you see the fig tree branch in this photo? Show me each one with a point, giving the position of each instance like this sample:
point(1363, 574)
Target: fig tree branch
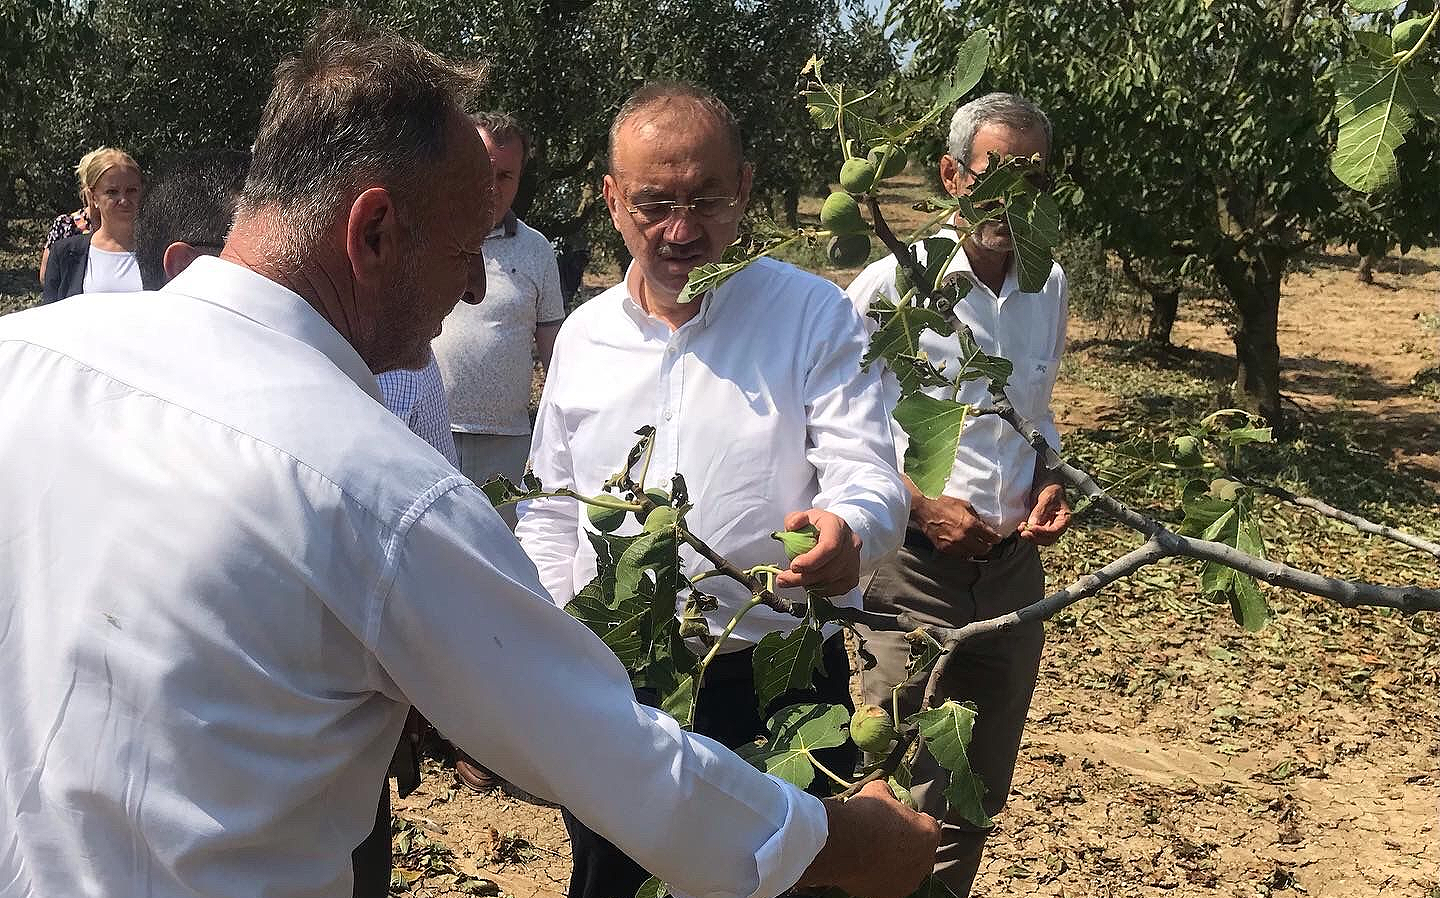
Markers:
point(1354, 520)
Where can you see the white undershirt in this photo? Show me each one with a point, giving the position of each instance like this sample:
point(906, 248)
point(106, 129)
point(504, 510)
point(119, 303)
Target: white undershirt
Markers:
point(108, 272)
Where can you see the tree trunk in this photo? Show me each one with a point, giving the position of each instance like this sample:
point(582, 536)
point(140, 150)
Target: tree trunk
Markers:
point(1164, 306)
point(1366, 271)
point(1252, 278)
point(792, 206)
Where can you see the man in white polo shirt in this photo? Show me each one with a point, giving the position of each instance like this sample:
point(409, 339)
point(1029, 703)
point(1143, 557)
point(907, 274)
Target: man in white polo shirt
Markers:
point(971, 553)
point(485, 351)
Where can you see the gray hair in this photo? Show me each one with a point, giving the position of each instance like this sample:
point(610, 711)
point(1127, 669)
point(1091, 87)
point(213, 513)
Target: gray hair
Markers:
point(658, 94)
point(1011, 110)
point(355, 108)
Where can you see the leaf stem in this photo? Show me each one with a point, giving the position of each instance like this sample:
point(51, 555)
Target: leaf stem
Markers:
point(842, 782)
point(724, 635)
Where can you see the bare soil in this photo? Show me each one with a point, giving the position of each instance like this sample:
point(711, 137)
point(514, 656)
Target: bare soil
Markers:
point(1168, 752)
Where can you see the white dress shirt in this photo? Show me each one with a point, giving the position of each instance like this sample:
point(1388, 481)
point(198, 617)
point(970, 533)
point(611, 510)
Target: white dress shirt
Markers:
point(994, 466)
point(225, 572)
point(759, 401)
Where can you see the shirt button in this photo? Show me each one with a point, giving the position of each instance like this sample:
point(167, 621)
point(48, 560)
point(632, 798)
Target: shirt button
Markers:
point(669, 415)
point(671, 350)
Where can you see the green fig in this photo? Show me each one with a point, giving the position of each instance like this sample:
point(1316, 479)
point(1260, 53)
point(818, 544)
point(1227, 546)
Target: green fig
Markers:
point(848, 251)
point(606, 520)
point(1406, 35)
point(658, 496)
point(1186, 451)
point(871, 731)
point(841, 214)
point(797, 542)
point(894, 163)
point(857, 175)
point(662, 518)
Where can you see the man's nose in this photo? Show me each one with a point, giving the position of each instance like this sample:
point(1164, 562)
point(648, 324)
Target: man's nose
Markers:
point(683, 227)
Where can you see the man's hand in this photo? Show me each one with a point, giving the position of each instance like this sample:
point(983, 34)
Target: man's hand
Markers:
point(1049, 516)
point(877, 848)
point(832, 568)
point(952, 526)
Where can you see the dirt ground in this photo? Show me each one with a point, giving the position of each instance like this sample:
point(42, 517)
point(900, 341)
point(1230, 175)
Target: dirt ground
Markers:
point(1167, 752)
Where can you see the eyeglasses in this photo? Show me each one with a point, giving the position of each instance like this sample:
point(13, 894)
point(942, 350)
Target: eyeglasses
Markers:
point(656, 211)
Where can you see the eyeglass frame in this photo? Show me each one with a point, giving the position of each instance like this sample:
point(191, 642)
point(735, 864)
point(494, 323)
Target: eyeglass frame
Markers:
point(690, 207)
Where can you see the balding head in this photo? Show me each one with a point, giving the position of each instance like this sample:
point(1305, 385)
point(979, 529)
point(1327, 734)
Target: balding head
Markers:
point(662, 104)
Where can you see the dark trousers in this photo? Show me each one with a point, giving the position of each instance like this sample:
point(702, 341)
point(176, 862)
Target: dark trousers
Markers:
point(726, 712)
point(997, 673)
point(370, 860)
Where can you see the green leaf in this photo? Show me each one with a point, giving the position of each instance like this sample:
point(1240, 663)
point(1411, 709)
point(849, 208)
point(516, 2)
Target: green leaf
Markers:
point(1374, 5)
point(785, 662)
point(1201, 509)
point(947, 731)
point(795, 732)
point(923, 655)
point(705, 278)
point(970, 64)
point(974, 362)
point(679, 700)
point(653, 888)
point(900, 330)
point(657, 553)
point(1376, 105)
point(1234, 524)
point(1034, 221)
point(933, 426)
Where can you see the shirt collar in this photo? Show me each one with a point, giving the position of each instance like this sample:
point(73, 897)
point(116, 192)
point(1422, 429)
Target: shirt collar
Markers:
point(708, 305)
point(961, 263)
point(252, 295)
point(508, 226)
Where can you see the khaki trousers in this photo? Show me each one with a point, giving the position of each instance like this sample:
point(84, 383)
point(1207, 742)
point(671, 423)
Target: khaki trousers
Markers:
point(483, 455)
point(997, 673)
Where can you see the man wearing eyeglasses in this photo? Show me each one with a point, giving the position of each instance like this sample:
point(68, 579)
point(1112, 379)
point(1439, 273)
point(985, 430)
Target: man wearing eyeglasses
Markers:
point(971, 553)
point(757, 398)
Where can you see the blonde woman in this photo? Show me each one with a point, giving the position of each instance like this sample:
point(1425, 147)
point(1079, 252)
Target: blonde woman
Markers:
point(102, 261)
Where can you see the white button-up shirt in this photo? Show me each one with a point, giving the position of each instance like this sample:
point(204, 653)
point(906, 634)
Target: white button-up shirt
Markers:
point(759, 401)
point(994, 466)
point(225, 572)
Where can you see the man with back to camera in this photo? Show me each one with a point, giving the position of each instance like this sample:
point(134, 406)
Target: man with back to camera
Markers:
point(207, 671)
point(971, 553)
point(757, 398)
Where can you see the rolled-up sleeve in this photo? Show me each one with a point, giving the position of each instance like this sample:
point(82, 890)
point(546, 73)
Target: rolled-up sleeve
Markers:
point(464, 635)
point(850, 442)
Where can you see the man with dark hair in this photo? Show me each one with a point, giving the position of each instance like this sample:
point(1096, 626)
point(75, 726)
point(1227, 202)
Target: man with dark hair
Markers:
point(187, 212)
point(971, 553)
point(228, 571)
point(757, 397)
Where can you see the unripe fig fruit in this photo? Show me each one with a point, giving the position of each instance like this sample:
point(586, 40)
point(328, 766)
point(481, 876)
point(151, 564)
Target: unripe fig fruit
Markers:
point(1225, 490)
point(662, 518)
point(871, 731)
point(894, 165)
point(1186, 450)
point(857, 175)
point(606, 520)
point(797, 542)
point(841, 214)
point(1407, 34)
point(849, 250)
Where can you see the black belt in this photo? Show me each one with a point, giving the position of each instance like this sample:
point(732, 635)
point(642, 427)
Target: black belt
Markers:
point(916, 541)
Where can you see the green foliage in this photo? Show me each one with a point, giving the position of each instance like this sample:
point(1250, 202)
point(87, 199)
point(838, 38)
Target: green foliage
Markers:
point(786, 661)
point(1223, 511)
point(796, 733)
point(947, 730)
point(933, 426)
point(1377, 104)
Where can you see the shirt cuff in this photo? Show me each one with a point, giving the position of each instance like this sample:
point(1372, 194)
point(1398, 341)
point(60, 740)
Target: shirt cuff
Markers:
point(873, 544)
point(788, 854)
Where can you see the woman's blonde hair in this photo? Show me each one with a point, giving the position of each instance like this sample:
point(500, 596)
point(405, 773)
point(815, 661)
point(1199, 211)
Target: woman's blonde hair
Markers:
point(94, 164)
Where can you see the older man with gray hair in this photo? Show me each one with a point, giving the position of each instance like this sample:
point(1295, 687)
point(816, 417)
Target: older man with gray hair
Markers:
point(972, 553)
